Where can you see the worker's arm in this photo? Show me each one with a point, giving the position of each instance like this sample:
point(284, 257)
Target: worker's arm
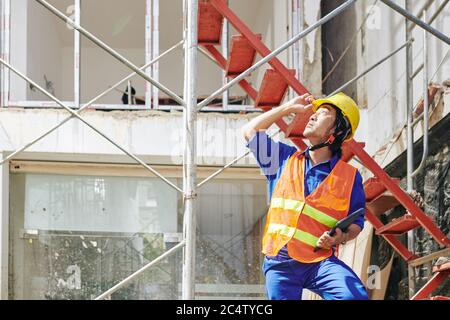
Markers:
point(326, 241)
point(300, 104)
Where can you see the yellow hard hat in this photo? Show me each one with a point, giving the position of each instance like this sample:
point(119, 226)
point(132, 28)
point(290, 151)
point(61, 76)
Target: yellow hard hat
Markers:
point(347, 106)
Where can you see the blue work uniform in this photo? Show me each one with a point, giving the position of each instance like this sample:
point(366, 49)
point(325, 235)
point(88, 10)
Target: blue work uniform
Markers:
point(331, 278)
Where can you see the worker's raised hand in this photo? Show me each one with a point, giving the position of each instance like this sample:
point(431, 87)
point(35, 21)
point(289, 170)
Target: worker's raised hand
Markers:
point(301, 104)
point(326, 241)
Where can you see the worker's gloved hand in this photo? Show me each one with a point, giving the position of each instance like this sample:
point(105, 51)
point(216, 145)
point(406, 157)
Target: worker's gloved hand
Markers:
point(301, 104)
point(326, 241)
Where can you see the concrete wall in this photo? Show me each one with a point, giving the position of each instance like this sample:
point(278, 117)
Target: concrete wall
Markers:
point(155, 135)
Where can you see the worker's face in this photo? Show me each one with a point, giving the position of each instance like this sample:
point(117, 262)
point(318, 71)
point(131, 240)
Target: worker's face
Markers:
point(321, 124)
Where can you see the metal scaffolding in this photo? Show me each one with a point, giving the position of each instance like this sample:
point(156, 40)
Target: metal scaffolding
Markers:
point(150, 73)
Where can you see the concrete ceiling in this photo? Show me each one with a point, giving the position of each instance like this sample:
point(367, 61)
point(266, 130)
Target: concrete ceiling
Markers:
point(121, 24)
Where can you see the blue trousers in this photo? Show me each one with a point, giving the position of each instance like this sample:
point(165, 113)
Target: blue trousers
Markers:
point(331, 278)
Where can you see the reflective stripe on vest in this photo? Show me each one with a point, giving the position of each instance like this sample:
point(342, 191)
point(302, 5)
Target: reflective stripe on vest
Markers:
point(305, 237)
point(300, 206)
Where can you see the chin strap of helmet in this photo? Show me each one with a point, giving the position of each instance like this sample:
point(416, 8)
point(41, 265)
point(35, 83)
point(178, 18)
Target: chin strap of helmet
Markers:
point(323, 144)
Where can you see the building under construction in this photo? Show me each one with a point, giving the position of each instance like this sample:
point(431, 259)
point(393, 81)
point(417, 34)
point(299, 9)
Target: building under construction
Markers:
point(124, 173)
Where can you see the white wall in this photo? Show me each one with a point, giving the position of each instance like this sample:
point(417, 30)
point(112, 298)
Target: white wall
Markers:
point(386, 85)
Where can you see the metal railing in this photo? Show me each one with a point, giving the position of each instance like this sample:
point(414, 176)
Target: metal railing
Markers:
point(190, 110)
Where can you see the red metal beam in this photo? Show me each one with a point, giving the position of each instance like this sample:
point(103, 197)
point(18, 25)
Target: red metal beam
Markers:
point(222, 62)
point(430, 286)
point(401, 195)
point(392, 240)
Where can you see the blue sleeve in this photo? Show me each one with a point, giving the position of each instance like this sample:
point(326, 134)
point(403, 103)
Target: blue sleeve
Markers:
point(268, 153)
point(358, 199)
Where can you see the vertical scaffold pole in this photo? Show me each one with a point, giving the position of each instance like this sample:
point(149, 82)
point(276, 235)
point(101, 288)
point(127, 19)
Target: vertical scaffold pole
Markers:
point(5, 49)
point(77, 56)
point(148, 51)
point(410, 137)
point(155, 52)
point(190, 112)
point(225, 49)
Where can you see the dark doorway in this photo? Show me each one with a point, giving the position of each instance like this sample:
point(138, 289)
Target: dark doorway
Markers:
point(337, 35)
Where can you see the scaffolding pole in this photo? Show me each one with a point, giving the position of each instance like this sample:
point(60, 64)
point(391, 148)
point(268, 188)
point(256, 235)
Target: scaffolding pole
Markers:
point(148, 51)
point(416, 20)
point(225, 44)
point(190, 113)
point(5, 51)
point(409, 138)
point(29, 144)
point(77, 57)
point(425, 102)
point(111, 51)
point(155, 52)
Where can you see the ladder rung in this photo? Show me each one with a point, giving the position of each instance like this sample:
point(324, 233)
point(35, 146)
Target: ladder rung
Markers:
point(399, 226)
point(242, 55)
point(373, 187)
point(210, 23)
point(272, 90)
point(382, 203)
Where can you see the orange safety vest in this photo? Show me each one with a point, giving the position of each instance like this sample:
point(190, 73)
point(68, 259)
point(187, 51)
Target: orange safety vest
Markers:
point(298, 221)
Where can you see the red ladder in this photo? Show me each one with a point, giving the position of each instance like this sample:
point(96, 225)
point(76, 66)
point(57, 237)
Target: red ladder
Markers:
point(382, 191)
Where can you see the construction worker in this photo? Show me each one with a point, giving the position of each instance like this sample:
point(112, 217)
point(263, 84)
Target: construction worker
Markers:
point(310, 191)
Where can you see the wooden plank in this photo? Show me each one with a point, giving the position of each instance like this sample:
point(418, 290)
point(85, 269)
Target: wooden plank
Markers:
point(379, 293)
point(430, 257)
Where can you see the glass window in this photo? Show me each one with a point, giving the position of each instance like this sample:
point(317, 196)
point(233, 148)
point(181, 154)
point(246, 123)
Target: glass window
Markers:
point(230, 226)
point(74, 237)
point(99, 204)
